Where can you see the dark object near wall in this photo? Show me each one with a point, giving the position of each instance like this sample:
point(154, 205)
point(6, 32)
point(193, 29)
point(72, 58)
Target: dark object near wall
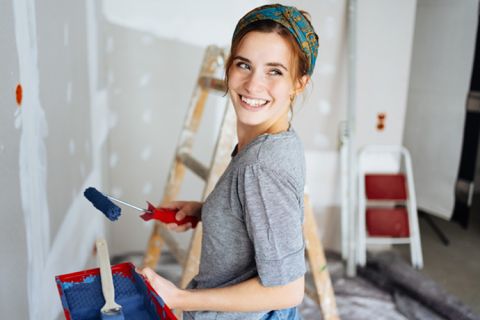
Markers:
point(470, 160)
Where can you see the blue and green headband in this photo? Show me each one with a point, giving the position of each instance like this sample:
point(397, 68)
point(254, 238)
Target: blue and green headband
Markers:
point(293, 20)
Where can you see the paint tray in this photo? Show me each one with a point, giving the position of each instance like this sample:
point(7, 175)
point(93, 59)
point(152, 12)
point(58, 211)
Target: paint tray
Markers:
point(82, 297)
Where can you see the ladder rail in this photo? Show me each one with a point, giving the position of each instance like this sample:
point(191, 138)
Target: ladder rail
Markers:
point(185, 145)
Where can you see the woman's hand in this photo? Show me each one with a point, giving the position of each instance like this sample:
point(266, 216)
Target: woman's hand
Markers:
point(164, 288)
point(185, 208)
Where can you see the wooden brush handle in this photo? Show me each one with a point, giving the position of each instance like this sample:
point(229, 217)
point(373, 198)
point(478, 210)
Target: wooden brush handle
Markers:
point(106, 277)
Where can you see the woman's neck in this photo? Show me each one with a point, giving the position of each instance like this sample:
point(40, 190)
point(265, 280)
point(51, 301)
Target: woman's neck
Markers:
point(247, 134)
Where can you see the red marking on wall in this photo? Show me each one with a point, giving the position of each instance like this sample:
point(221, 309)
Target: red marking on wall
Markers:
point(381, 121)
point(19, 94)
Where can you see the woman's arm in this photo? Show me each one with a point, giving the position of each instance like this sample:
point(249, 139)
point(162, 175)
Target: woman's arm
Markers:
point(247, 296)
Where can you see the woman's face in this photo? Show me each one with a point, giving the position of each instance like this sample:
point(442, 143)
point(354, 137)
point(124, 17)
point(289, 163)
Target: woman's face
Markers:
point(260, 80)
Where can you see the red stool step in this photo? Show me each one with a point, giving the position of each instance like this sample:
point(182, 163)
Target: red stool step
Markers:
point(387, 222)
point(385, 187)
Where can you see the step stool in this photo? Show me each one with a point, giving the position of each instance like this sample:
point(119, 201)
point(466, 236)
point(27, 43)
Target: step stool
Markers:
point(387, 208)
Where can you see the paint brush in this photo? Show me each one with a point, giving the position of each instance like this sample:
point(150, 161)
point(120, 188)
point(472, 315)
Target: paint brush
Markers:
point(102, 202)
point(111, 310)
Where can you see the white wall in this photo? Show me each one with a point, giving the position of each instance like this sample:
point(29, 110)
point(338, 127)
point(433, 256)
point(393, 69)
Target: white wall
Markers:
point(440, 79)
point(384, 46)
point(50, 150)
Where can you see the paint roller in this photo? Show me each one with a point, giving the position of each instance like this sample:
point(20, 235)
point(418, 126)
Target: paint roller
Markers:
point(103, 203)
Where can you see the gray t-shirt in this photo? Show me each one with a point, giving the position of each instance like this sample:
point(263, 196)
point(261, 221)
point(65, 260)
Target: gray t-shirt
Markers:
point(252, 220)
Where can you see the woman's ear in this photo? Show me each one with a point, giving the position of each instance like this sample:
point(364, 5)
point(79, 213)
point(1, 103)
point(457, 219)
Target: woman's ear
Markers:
point(301, 84)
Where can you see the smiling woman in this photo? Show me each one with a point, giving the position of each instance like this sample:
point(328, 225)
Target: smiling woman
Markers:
point(261, 85)
point(252, 259)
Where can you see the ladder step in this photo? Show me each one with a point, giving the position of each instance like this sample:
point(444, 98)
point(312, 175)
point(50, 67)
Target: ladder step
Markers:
point(210, 83)
point(193, 164)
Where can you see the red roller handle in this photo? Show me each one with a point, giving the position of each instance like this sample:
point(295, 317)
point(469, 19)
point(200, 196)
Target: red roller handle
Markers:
point(167, 216)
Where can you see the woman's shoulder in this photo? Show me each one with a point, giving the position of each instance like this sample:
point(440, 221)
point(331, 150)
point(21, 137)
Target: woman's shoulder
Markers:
point(284, 145)
point(280, 152)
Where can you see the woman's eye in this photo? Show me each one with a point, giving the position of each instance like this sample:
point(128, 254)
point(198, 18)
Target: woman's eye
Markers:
point(275, 72)
point(243, 65)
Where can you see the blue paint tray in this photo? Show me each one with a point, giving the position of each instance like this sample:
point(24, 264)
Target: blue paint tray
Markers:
point(82, 298)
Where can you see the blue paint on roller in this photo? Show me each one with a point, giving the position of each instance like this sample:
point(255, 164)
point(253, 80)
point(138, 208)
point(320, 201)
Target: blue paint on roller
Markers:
point(102, 203)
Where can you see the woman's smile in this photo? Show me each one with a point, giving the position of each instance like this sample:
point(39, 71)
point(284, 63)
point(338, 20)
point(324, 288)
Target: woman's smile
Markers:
point(253, 104)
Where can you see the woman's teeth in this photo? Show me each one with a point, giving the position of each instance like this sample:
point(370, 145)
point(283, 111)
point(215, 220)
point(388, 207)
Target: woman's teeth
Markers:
point(254, 102)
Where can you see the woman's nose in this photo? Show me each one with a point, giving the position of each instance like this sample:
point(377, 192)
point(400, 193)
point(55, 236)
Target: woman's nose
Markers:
point(254, 82)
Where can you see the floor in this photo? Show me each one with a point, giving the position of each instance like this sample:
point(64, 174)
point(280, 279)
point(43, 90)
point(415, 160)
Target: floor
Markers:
point(456, 267)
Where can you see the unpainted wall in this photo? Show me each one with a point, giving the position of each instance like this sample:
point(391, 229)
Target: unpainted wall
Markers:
point(49, 149)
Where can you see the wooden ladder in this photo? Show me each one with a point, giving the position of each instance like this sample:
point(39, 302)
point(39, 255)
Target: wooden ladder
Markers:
point(208, 81)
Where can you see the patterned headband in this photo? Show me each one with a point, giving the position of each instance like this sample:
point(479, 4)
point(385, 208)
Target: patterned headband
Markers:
point(293, 20)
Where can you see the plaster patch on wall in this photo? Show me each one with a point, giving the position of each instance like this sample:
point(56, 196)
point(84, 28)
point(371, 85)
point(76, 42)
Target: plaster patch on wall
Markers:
point(111, 77)
point(113, 160)
point(69, 92)
point(147, 115)
point(146, 153)
point(71, 147)
point(87, 147)
point(145, 79)
point(147, 188)
point(82, 170)
point(324, 107)
point(117, 192)
point(32, 157)
point(330, 28)
point(112, 120)
point(321, 141)
point(326, 69)
point(147, 40)
point(110, 46)
point(66, 34)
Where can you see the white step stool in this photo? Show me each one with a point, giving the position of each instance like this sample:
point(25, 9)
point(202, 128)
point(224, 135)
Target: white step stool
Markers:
point(387, 208)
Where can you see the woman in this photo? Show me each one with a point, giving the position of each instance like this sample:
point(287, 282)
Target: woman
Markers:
point(252, 262)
